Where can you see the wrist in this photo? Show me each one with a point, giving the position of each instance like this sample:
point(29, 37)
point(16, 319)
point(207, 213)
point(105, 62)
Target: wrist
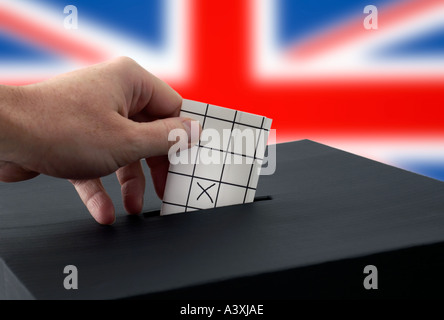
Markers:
point(14, 129)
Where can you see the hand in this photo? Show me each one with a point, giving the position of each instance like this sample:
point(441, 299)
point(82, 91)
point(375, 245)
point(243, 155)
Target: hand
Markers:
point(89, 123)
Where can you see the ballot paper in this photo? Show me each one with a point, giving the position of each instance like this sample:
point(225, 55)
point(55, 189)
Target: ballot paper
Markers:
point(224, 167)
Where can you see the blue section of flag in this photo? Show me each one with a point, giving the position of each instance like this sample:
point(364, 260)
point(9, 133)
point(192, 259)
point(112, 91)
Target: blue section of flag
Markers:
point(299, 18)
point(431, 43)
point(143, 20)
point(11, 49)
point(433, 170)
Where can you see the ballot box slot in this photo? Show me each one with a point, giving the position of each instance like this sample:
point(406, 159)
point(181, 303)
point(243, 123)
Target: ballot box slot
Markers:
point(156, 213)
point(262, 198)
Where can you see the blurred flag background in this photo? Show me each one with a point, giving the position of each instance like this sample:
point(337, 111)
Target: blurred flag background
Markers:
point(309, 65)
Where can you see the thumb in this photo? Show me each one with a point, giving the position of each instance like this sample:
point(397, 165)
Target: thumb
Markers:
point(157, 137)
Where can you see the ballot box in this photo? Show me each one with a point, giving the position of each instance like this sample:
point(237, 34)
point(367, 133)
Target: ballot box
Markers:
point(323, 223)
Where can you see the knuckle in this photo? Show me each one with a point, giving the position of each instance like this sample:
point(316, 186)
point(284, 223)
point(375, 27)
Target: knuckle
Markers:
point(167, 126)
point(126, 61)
point(129, 142)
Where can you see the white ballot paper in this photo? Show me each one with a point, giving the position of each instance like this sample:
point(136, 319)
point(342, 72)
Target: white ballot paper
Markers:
point(224, 167)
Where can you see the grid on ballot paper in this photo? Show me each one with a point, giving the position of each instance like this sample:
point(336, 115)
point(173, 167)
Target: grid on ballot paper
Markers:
point(224, 167)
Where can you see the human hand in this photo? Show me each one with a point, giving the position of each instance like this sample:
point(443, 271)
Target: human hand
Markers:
point(89, 123)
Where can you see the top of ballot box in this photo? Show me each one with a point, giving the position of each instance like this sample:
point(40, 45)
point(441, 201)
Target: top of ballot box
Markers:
point(325, 214)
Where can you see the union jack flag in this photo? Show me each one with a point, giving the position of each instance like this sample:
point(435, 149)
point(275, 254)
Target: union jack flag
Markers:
point(309, 65)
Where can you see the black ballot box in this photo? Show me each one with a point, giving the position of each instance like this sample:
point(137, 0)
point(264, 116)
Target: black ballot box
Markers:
point(317, 223)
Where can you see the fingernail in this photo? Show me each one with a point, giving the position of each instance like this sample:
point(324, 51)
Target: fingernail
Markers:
point(192, 127)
